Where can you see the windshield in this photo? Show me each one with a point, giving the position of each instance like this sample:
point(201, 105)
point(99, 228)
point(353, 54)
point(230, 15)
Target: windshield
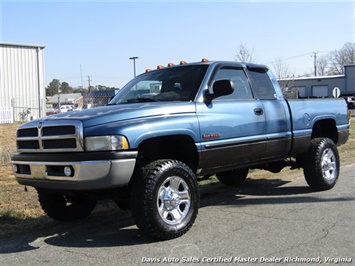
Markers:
point(168, 84)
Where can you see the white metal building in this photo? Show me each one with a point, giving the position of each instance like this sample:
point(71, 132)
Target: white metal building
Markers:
point(22, 88)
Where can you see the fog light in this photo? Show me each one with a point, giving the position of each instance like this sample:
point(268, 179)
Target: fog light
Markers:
point(67, 171)
point(15, 168)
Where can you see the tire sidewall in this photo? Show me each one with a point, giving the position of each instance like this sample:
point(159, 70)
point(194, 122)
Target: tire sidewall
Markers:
point(145, 197)
point(233, 177)
point(55, 206)
point(313, 171)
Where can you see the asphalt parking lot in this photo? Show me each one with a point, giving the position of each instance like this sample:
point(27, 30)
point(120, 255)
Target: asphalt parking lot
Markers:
point(268, 221)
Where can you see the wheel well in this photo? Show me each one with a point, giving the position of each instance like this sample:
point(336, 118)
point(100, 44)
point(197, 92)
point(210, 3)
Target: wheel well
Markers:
point(325, 129)
point(178, 147)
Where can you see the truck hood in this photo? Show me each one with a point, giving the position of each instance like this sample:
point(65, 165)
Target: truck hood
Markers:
point(107, 114)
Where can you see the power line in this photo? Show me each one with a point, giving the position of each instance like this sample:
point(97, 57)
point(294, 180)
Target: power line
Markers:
point(297, 56)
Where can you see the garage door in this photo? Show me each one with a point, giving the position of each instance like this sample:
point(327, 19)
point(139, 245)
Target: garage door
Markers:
point(320, 91)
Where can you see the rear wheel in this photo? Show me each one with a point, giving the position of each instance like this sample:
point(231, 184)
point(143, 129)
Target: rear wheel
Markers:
point(233, 177)
point(65, 207)
point(165, 199)
point(321, 164)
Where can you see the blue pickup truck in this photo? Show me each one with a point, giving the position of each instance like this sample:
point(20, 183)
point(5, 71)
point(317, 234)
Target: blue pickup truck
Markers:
point(168, 128)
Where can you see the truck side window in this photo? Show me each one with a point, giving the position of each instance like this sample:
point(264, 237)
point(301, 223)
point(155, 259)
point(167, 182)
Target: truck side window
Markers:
point(261, 84)
point(241, 85)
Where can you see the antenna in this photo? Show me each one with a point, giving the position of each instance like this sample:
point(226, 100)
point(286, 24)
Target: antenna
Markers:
point(315, 63)
point(81, 76)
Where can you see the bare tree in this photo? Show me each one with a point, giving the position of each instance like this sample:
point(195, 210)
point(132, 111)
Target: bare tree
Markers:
point(338, 58)
point(281, 69)
point(285, 78)
point(244, 54)
point(322, 64)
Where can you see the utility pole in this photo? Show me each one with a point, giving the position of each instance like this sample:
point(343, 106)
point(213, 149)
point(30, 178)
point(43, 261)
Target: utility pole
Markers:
point(89, 83)
point(134, 63)
point(315, 63)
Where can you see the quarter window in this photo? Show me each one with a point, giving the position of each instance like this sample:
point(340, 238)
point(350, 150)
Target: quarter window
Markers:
point(261, 84)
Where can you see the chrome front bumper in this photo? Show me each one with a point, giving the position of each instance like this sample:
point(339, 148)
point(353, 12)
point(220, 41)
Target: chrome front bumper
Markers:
point(84, 175)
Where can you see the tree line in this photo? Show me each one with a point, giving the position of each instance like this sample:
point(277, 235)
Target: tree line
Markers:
point(55, 87)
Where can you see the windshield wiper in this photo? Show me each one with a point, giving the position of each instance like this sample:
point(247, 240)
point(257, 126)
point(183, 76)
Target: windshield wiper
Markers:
point(141, 100)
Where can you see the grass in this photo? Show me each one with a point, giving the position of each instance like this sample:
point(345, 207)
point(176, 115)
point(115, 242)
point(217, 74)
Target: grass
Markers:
point(20, 209)
point(8, 216)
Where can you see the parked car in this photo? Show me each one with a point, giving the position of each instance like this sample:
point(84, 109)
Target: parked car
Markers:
point(51, 111)
point(66, 108)
point(351, 102)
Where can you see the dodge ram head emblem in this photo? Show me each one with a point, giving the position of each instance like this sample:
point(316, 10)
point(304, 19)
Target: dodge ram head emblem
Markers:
point(39, 125)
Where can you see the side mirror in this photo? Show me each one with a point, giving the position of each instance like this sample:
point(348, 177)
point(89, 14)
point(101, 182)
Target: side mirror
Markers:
point(220, 88)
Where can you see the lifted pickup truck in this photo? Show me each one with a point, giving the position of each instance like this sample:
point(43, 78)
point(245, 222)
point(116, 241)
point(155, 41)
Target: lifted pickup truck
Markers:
point(167, 128)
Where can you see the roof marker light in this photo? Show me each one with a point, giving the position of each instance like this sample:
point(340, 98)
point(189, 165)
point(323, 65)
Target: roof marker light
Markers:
point(160, 66)
point(148, 70)
point(182, 62)
point(204, 60)
point(171, 64)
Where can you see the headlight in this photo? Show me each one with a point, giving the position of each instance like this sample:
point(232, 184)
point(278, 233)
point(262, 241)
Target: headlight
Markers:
point(106, 143)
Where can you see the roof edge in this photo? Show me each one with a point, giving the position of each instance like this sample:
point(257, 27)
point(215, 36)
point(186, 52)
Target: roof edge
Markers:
point(22, 45)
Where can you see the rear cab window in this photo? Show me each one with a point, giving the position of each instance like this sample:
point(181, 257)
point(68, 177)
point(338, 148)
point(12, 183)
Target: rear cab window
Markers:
point(261, 83)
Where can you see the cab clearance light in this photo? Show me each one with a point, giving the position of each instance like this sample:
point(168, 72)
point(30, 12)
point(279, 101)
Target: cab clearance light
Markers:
point(182, 62)
point(148, 70)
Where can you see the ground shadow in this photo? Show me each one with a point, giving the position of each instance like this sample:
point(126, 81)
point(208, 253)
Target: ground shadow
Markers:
point(116, 228)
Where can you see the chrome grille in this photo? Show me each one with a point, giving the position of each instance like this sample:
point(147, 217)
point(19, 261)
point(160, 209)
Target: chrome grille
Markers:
point(50, 136)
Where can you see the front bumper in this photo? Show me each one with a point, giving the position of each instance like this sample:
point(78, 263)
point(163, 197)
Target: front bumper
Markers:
point(89, 171)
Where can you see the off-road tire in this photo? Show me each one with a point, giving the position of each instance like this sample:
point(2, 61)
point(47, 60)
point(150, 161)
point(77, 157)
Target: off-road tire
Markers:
point(165, 199)
point(321, 164)
point(65, 208)
point(233, 177)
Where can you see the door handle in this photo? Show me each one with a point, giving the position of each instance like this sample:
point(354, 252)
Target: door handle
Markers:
point(258, 111)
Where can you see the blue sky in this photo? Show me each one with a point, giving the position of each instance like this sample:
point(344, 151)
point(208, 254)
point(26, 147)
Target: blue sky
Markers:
point(97, 38)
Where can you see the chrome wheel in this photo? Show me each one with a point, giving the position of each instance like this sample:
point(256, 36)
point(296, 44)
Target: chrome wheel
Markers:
point(329, 166)
point(165, 199)
point(173, 200)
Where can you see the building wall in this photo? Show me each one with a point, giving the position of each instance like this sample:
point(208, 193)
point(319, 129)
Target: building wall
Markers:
point(350, 79)
point(322, 87)
point(22, 80)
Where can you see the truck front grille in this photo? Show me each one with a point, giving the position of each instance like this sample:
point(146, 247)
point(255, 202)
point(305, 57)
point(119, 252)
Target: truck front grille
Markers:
point(50, 136)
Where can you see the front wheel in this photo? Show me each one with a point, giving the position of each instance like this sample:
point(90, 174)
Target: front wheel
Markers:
point(65, 207)
point(321, 164)
point(165, 199)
